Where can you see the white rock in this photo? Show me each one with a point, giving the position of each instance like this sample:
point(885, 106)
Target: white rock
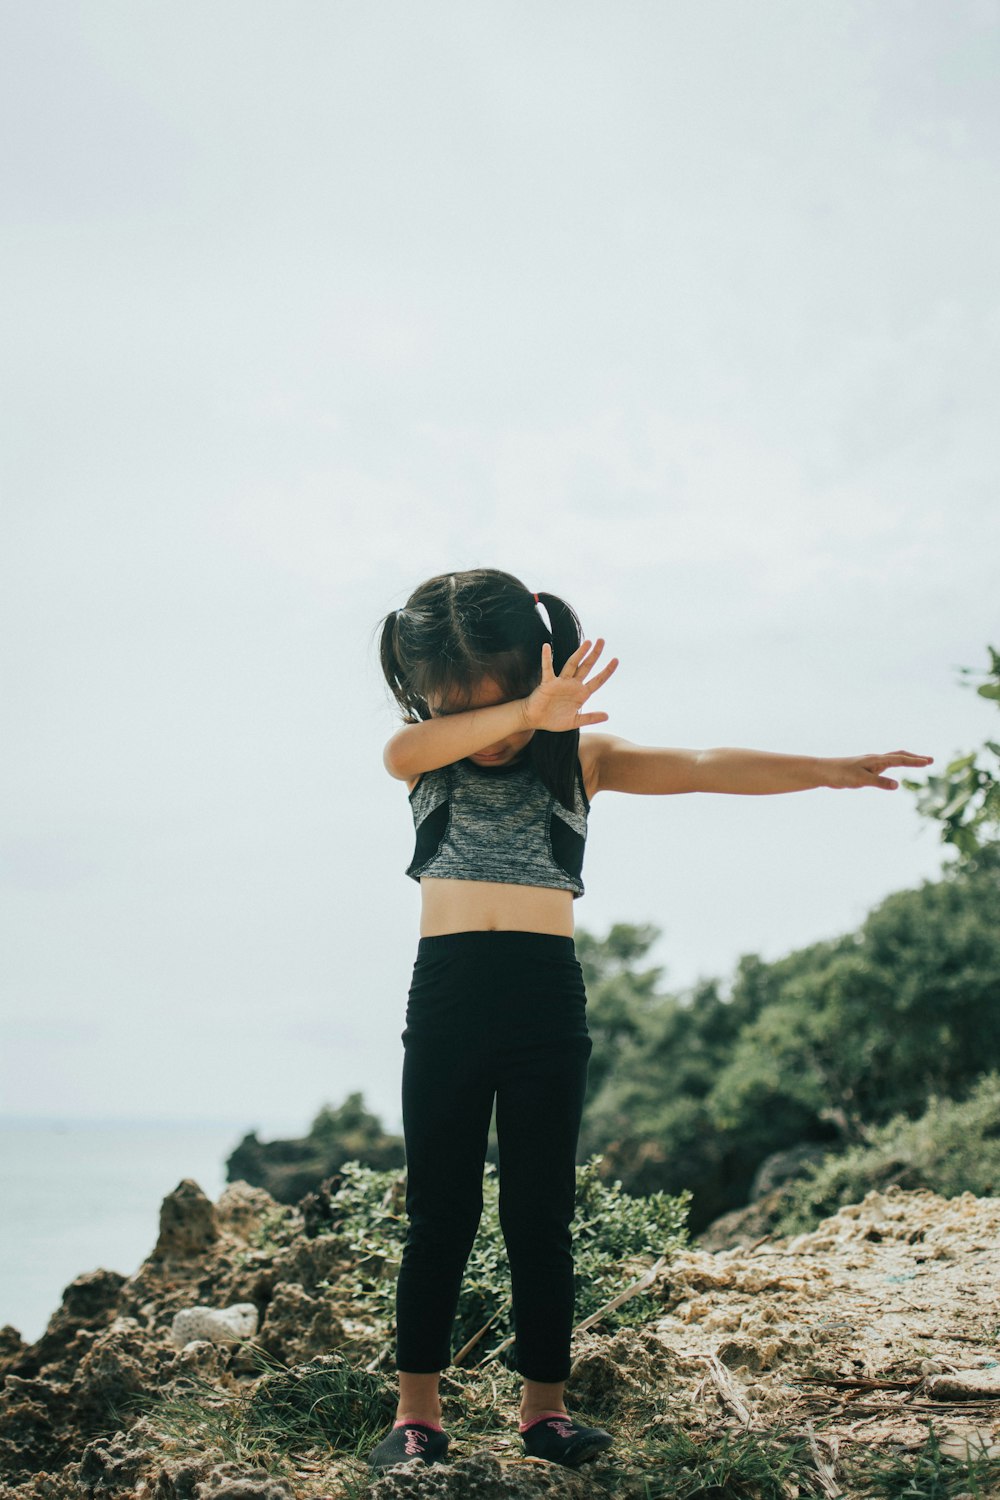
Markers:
point(219, 1325)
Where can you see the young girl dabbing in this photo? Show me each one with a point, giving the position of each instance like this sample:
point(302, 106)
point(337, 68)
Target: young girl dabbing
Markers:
point(500, 785)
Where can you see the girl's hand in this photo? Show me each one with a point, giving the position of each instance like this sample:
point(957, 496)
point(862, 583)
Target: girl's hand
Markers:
point(556, 702)
point(866, 770)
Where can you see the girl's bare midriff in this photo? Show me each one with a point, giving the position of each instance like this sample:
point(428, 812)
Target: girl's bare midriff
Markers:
point(488, 905)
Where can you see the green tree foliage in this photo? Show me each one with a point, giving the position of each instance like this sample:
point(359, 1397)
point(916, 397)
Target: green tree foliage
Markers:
point(965, 797)
point(879, 1020)
point(619, 995)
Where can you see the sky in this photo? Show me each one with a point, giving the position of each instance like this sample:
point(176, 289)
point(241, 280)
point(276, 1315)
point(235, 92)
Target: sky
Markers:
point(688, 311)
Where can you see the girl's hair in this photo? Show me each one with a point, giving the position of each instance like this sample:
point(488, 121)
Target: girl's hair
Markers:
point(458, 628)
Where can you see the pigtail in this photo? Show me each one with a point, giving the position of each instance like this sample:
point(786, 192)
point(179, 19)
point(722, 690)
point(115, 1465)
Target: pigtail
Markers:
point(414, 709)
point(556, 754)
point(564, 629)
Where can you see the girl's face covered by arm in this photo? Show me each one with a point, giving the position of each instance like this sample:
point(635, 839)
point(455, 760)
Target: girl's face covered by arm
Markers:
point(457, 730)
point(487, 694)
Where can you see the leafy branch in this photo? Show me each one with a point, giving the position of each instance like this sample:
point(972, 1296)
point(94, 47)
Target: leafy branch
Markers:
point(965, 797)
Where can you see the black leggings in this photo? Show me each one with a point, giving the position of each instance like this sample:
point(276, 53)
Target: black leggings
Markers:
point(489, 1013)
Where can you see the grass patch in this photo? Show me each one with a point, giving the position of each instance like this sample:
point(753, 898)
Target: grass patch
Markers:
point(324, 1401)
point(324, 1404)
point(728, 1465)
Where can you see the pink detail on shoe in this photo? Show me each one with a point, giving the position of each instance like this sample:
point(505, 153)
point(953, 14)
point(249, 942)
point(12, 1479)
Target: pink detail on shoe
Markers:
point(523, 1426)
point(404, 1423)
point(564, 1429)
point(416, 1440)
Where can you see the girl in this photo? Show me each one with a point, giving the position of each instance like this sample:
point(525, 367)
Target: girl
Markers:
point(500, 785)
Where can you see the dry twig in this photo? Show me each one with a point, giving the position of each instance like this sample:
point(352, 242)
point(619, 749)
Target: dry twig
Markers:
point(824, 1467)
point(727, 1392)
point(457, 1360)
point(637, 1286)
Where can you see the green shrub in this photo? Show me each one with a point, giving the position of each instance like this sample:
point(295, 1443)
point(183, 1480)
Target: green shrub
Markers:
point(615, 1238)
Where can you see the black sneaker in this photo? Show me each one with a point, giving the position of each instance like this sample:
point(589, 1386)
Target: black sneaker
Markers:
point(563, 1441)
point(409, 1440)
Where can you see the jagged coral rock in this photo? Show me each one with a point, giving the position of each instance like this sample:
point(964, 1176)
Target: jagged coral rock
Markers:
point(188, 1223)
point(314, 1262)
point(12, 1348)
point(179, 1478)
point(607, 1372)
point(254, 1484)
point(299, 1327)
point(132, 1463)
point(241, 1208)
point(121, 1363)
point(89, 1301)
point(62, 1485)
point(201, 1357)
point(900, 1285)
point(88, 1304)
point(112, 1464)
point(31, 1415)
point(478, 1477)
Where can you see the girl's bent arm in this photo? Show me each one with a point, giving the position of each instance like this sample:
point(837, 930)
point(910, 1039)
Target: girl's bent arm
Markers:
point(439, 742)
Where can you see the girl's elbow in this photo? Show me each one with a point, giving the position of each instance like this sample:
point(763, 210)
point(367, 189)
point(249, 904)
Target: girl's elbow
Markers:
point(399, 752)
point(393, 762)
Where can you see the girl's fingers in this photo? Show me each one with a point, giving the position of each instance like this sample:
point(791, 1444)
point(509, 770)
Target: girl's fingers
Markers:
point(899, 758)
point(585, 666)
point(573, 662)
point(576, 665)
point(876, 765)
point(594, 718)
point(603, 676)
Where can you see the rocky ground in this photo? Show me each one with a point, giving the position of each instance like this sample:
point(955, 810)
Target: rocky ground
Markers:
point(857, 1340)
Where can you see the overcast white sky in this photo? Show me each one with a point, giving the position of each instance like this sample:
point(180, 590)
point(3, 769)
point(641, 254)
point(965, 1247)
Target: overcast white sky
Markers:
point(688, 311)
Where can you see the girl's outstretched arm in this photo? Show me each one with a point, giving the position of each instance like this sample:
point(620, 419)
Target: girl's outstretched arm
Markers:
point(624, 767)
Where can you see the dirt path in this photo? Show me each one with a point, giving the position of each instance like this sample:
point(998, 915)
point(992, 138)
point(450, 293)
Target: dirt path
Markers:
point(862, 1320)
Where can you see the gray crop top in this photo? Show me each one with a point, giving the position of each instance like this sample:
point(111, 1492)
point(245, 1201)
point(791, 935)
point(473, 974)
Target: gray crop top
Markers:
point(498, 823)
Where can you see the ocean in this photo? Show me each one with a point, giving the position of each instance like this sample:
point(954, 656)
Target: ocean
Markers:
point(79, 1195)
